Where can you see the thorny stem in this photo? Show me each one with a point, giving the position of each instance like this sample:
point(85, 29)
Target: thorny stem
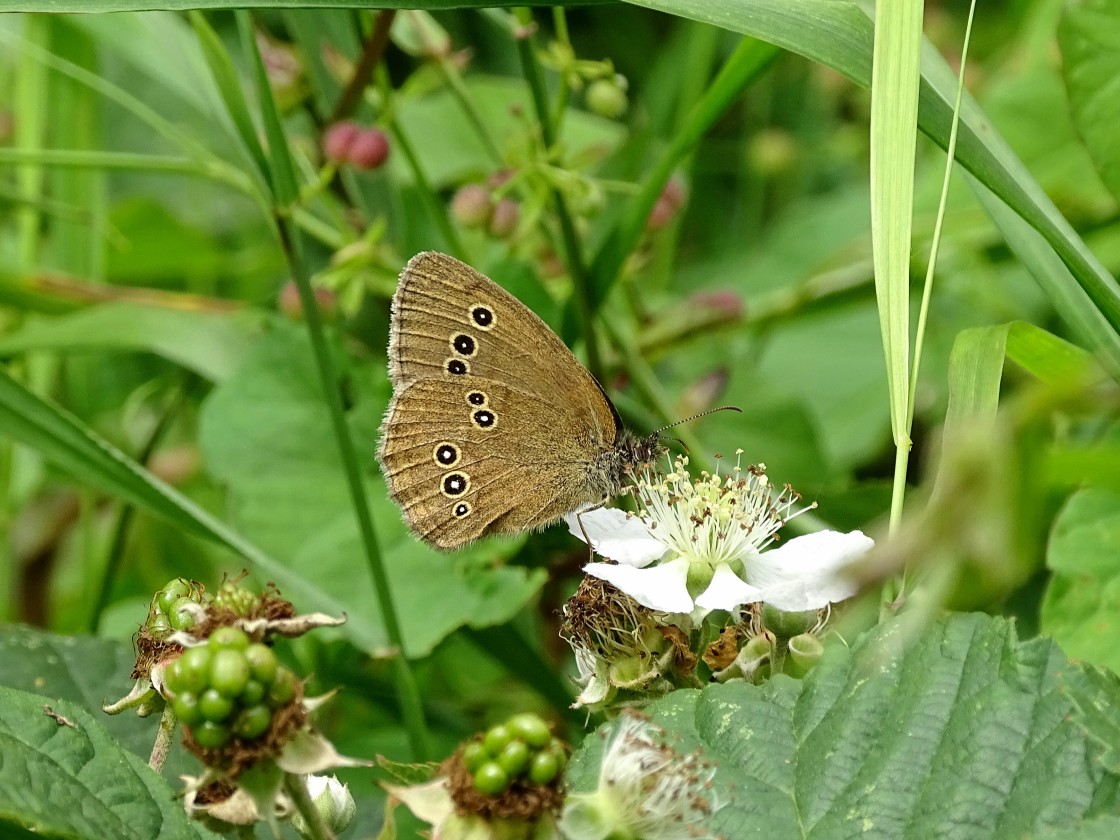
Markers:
point(162, 745)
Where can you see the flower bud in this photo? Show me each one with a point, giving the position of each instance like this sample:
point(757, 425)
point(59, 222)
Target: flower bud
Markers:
point(332, 800)
point(607, 97)
point(370, 149)
point(504, 220)
point(471, 207)
point(338, 139)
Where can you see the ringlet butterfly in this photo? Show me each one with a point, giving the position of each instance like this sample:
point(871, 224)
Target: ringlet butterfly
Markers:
point(494, 426)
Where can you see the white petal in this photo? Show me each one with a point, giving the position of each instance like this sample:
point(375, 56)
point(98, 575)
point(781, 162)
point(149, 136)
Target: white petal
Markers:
point(617, 536)
point(660, 587)
point(807, 572)
point(727, 591)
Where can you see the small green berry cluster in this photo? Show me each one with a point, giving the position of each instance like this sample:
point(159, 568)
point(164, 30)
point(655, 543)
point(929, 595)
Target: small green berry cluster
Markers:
point(521, 748)
point(236, 598)
point(176, 607)
point(228, 687)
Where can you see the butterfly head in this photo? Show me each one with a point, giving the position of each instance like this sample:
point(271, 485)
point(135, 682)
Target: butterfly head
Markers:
point(616, 466)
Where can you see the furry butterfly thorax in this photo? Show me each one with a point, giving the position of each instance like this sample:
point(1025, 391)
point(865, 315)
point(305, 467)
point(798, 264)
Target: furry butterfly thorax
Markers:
point(494, 425)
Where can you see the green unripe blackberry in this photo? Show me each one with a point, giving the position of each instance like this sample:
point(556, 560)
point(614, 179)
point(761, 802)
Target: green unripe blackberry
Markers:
point(282, 690)
point(514, 757)
point(185, 707)
point(182, 613)
point(491, 779)
point(556, 748)
point(229, 638)
point(210, 735)
point(171, 592)
point(496, 738)
point(214, 706)
point(544, 768)
point(262, 663)
point(229, 672)
point(530, 729)
point(159, 626)
point(253, 693)
point(252, 722)
point(191, 671)
point(474, 754)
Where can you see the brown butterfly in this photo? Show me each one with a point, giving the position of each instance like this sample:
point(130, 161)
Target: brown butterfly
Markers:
point(494, 426)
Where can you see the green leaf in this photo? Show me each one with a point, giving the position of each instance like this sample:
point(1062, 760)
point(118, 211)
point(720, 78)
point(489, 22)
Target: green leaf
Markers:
point(840, 35)
point(229, 85)
point(894, 119)
point(977, 361)
point(1095, 693)
point(211, 345)
point(954, 730)
point(1089, 37)
point(71, 779)
point(85, 670)
point(266, 434)
point(77, 449)
point(1081, 608)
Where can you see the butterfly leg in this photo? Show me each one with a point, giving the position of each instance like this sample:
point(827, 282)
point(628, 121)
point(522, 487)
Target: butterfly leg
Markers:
point(586, 538)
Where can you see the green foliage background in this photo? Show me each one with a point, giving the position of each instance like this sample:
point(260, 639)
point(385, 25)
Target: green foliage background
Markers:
point(163, 416)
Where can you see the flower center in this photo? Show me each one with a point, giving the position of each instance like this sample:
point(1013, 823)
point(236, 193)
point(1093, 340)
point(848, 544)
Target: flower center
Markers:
point(711, 519)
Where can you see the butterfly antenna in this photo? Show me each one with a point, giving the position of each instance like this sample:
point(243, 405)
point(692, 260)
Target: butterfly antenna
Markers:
point(698, 416)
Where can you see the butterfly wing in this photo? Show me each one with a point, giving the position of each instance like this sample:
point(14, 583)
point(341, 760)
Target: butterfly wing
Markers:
point(469, 458)
point(452, 322)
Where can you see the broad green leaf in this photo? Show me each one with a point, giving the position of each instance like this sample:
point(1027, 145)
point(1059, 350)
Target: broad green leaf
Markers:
point(1089, 36)
point(1095, 693)
point(85, 670)
point(1081, 608)
point(209, 344)
point(68, 778)
point(266, 434)
point(955, 730)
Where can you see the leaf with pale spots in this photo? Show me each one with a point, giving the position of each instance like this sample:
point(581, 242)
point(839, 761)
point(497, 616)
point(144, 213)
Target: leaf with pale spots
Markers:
point(957, 730)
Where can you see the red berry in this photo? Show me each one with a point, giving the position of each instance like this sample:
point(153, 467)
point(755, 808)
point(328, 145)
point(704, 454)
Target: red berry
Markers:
point(338, 139)
point(370, 149)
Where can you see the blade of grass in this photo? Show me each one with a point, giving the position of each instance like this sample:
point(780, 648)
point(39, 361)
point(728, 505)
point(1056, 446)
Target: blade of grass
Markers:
point(286, 193)
point(229, 86)
point(894, 119)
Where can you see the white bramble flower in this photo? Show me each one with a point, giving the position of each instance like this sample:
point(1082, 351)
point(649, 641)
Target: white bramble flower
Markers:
point(646, 789)
point(701, 544)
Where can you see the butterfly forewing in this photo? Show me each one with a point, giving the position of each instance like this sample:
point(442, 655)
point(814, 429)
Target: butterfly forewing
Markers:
point(519, 419)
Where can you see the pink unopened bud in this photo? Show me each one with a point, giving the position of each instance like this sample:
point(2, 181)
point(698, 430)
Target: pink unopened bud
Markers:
point(471, 206)
point(370, 149)
point(507, 212)
point(338, 139)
